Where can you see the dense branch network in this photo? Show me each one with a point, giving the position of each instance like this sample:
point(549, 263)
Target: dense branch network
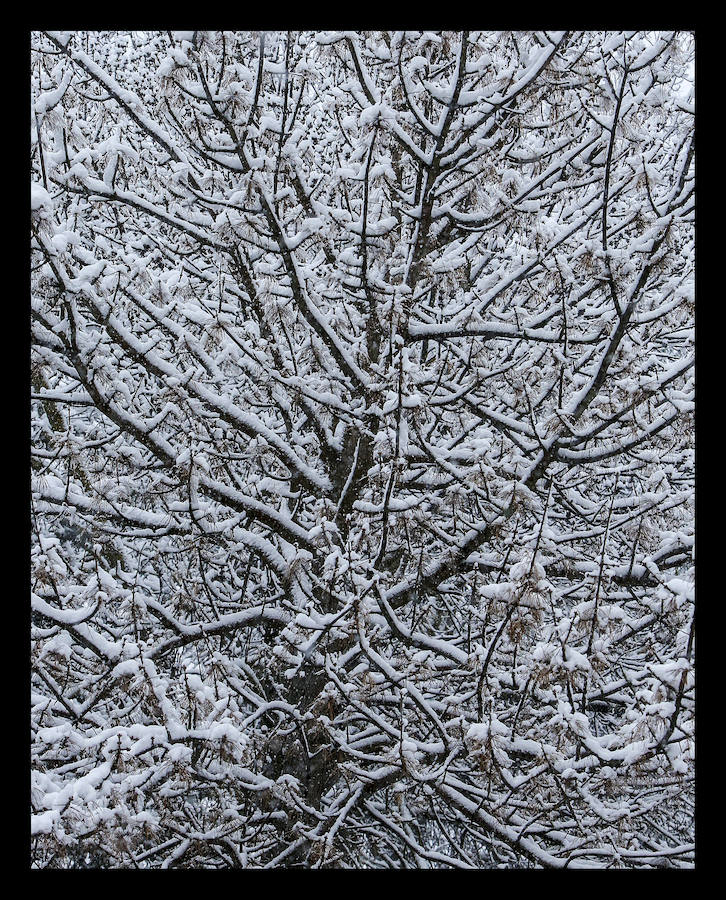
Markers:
point(362, 448)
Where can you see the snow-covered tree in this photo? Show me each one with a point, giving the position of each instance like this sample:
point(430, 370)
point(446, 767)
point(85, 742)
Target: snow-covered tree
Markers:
point(362, 449)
